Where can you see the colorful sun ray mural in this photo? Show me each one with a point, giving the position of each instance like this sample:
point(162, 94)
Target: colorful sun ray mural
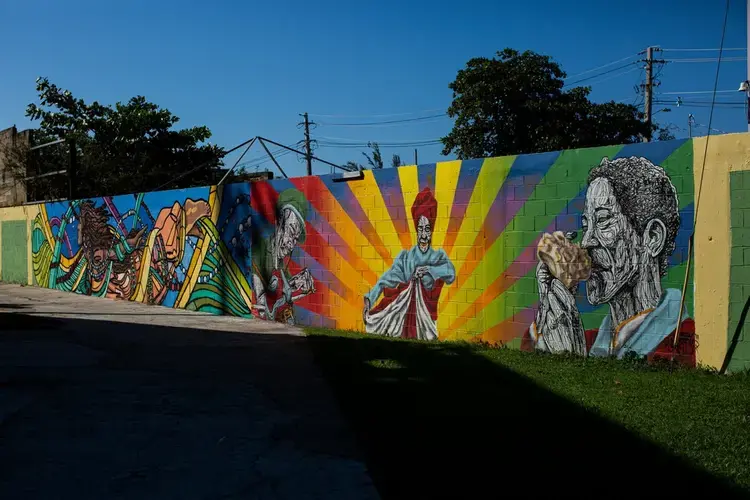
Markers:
point(448, 251)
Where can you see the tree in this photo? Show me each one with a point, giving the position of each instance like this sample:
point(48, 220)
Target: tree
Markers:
point(352, 166)
point(665, 133)
point(517, 103)
point(374, 159)
point(395, 161)
point(125, 148)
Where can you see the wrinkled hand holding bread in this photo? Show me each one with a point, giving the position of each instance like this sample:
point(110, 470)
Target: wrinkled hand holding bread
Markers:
point(566, 261)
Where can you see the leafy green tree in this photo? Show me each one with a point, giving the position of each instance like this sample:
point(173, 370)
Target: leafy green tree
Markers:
point(517, 103)
point(126, 148)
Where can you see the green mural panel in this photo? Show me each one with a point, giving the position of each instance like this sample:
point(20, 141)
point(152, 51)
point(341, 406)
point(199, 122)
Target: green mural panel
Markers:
point(14, 243)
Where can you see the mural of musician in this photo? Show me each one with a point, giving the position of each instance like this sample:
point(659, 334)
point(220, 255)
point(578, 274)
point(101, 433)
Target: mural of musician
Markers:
point(629, 225)
point(411, 287)
point(276, 290)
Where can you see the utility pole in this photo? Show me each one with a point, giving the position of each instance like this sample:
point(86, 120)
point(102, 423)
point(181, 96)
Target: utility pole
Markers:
point(649, 95)
point(416, 160)
point(648, 88)
point(308, 149)
point(691, 119)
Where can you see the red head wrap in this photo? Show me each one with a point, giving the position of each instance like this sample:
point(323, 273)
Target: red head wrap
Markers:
point(425, 204)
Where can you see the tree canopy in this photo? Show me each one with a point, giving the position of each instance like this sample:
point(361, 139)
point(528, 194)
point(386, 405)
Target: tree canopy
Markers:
point(518, 103)
point(128, 147)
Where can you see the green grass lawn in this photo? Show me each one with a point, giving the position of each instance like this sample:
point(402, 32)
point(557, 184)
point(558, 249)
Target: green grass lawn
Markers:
point(466, 421)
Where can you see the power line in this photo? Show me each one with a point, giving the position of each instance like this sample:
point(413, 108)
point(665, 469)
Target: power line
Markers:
point(602, 66)
point(600, 74)
point(349, 140)
point(342, 145)
point(616, 75)
point(707, 59)
point(699, 92)
point(260, 160)
point(387, 122)
point(379, 116)
point(706, 50)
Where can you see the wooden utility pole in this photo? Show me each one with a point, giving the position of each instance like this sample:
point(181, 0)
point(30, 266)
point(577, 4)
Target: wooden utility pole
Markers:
point(308, 149)
point(648, 90)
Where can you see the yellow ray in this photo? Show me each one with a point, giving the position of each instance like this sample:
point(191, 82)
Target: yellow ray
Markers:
point(409, 178)
point(214, 203)
point(492, 175)
point(446, 179)
point(371, 199)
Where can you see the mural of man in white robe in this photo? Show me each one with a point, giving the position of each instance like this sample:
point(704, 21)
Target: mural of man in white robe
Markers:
point(411, 287)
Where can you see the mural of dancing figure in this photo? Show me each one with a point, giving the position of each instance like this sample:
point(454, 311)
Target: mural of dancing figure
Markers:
point(629, 224)
point(411, 287)
point(275, 288)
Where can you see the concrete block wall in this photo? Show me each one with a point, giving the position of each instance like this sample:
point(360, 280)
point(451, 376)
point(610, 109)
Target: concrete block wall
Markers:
point(739, 288)
point(444, 251)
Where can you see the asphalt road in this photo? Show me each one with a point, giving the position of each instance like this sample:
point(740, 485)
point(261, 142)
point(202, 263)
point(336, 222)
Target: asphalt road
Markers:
point(108, 399)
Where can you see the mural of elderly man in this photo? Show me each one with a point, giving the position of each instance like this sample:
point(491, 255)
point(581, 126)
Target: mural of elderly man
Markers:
point(411, 287)
point(629, 223)
point(274, 287)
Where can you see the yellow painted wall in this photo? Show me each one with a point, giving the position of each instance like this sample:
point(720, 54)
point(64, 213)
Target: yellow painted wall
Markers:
point(726, 153)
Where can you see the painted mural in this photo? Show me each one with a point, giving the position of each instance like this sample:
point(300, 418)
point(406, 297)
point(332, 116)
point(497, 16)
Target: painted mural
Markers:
point(116, 247)
point(411, 286)
point(275, 288)
point(629, 223)
point(581, 251)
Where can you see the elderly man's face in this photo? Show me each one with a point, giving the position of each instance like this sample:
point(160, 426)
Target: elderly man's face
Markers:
point(612, 242)
point(424, 233)
point(288, 233)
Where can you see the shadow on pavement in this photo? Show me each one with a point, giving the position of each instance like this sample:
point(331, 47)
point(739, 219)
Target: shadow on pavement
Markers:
point(97, 409)
point(448, 423)
point(12, 306)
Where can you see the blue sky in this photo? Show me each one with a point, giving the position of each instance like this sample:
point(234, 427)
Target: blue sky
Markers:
point(249, 68)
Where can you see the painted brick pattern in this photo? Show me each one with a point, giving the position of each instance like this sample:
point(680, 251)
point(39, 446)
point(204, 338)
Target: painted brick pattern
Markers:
point(739, 288)
point(322, 252)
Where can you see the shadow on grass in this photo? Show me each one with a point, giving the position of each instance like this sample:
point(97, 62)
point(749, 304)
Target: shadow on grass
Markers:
point(441, 421)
